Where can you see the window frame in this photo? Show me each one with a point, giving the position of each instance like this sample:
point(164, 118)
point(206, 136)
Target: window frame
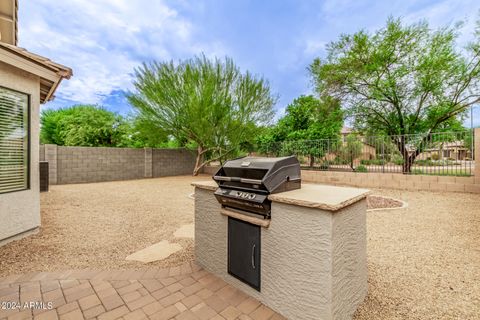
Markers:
point(29, 140)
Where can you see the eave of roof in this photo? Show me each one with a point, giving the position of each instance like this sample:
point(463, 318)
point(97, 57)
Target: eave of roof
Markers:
point(16, 22)
point(51, 73)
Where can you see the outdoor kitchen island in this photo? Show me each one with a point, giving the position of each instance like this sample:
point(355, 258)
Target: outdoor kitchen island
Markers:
point(310, 257)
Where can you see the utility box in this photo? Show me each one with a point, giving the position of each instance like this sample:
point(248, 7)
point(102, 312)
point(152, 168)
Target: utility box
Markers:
point(44, 181)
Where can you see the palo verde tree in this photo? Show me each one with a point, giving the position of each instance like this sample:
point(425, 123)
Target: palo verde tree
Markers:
point(207, 102)
point(401, 80)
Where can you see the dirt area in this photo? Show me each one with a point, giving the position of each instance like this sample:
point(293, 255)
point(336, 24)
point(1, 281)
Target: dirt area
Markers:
point(423, 260)
point(97, 225)
point(379, 202)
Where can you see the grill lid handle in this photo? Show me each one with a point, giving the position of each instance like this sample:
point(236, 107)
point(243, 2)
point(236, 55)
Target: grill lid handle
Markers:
point(237, 179)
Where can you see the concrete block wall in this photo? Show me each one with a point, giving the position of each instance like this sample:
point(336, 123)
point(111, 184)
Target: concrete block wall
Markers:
point(50, 155)
point(210, 170)
point(148, 163)
point(476, 136)
point(42, 153)
point(173, 162)
point(394, 181)
point(80, 164)
point(88, 164)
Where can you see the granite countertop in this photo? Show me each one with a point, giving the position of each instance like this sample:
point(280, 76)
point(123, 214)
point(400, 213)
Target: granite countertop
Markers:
point(325, 197)
point(207, 185)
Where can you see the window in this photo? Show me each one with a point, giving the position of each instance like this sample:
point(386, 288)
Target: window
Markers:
point(14, 144)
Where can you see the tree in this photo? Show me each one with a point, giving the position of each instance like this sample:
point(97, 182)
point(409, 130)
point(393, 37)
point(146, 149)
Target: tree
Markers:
point(207, 102)
point(143, 133)
point(82, 125)
point(351, 150)
point(307, 120)
point(402, 80)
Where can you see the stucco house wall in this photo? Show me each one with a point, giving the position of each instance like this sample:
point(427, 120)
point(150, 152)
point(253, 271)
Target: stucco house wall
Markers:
point(20, 211)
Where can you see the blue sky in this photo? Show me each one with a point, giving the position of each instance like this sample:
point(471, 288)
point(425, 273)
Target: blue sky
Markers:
point(104, 40)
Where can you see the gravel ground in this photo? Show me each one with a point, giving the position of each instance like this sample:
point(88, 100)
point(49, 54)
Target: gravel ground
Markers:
point(423, 260)
point(95, 226)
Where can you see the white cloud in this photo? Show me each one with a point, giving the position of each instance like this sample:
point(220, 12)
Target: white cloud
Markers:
point(104, 40)
point(314, 47)
point(443, 13)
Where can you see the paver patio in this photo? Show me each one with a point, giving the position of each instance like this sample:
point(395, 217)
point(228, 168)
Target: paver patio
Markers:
point(184, 292)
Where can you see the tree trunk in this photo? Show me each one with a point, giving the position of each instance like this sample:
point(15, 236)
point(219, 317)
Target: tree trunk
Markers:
point(199, 161)
point(351, 161)
point(408, 162)
point(312, 161)
point(409, 159)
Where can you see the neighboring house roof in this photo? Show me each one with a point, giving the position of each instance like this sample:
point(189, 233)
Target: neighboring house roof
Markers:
point(346, 130)
point(50, 73)
point(9, 21)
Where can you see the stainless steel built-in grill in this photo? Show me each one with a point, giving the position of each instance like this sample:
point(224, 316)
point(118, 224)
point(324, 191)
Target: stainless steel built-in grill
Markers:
point(245, 183)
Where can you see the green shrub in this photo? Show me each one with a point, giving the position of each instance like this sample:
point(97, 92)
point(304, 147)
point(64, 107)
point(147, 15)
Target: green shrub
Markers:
point(424, 163)
point(361, 168)
point(435, 156)
point(339, 160)
point(325, 165)
point(378, 162)
point(457, 173)
point(397, 159)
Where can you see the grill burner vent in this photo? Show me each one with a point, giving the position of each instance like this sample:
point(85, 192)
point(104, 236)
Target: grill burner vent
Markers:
point(245, 183)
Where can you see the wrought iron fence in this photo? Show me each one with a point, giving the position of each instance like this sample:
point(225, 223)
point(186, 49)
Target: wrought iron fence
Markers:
point(445, 153)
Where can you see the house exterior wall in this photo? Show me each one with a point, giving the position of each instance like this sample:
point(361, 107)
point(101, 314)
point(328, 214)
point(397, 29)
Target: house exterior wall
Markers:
point(20, 211)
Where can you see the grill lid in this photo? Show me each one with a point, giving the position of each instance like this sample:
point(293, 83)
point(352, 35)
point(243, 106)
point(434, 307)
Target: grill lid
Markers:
point(260, 173)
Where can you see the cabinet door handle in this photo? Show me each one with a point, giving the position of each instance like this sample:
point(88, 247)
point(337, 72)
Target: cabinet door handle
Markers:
point(253, 256)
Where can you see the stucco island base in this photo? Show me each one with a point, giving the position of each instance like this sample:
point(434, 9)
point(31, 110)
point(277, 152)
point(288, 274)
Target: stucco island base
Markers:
point(313, 253)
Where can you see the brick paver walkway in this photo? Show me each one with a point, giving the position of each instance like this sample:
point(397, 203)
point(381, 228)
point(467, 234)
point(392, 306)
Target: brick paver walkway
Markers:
point(183, 292)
